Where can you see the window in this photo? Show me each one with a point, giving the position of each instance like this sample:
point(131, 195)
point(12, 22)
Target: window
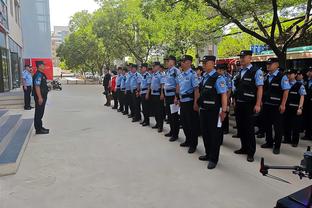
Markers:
point(17, 11)
point(11, 7)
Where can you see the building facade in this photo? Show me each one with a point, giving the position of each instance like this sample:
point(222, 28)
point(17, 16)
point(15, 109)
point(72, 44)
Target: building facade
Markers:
point(58, 37)
point(36, 29)
point(11, 44)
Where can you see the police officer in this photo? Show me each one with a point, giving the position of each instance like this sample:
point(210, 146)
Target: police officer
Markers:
point(249, 91)
point(118, 87)
point(145, 81)
point(27, 86)
point(41, 95)
point(124, 106)
point(135, 88)
point(276, 89)
point(157, 96)
point(170, 88)
point(213, 97)
point(188, 96)
point(128, 98)
point(294, 107)
point(308, 107)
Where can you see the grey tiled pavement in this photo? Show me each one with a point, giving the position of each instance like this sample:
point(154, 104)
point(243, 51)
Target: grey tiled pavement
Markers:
point(95, 157)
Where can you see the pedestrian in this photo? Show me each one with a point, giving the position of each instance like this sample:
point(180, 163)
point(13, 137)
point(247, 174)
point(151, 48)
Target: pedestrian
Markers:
point(307, 109)
point(113, 87)
point(157, 96)
point(276, 89)
point(187, 98)
point(135, 96)
point(294, 107)
point(27, 86)
point(213, 109)
point(170, 88)
point(107, 90)
point(144, 85)
point(41, 94)
point(249, 91)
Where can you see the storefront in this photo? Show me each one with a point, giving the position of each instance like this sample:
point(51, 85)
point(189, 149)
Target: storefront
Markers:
point(15, 55)
point(4, 64)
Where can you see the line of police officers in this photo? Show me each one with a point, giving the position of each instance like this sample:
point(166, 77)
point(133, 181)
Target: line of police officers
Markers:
point(204, 102)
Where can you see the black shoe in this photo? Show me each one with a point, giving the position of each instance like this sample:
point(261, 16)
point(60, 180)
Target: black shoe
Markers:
point(160, 130)
point(155, 127)
point(145, 124)
point(124, 113)
point(184, 144)
point(266, 146)
point(211, 165)
point(130, 116)
point(260, 136)
point(135, 120)
point(191, 150)
point(142, 122)
point(168, 135)
point(42, 132)
point(276, 151)
point(44, 129)
point(234, 127)
point(294, 145)
point(32, 107)
point(29, 108)
point(250, 158)
point(119, 110)
point(114, 108)
point(173, 139)
point(286, 141)
point(240, 152)
point(235, 136)
point(203, 158)
point(226, 132)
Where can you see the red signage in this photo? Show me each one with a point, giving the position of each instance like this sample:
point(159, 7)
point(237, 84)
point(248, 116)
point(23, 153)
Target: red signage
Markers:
point(48, 71)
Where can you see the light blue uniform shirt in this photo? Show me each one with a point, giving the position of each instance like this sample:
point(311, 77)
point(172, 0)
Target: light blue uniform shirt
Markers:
point(309, 83)
point(220, 84)
point(156, 82)
point(128, 79)
point(123, 82)
point(284, 82)
point(118, 81)
point(171, 81)
point(28, 78)
point(145, 81)
point(302, 90)
point(188, 81)
point(134, 81)
point(228, 80)
point(258, 75)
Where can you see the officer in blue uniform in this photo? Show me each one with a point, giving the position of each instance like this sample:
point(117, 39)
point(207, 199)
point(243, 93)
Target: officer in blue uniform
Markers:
point(123, 106)
point(188, 95)
point(213, 108)
point(145, 82)
point(170, 88)
point(157, 96)
point(41, 95)
point(128, 98)
point(118, 87)
point(294, 107)
point(307, 109)
point(135, 90)
point(248, 96)
point(27, 86)
point(276, 89)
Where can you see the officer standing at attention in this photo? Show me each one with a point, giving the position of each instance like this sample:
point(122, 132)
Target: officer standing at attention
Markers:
point(123, 108)
point(213, 97)
point(128, 98)
point(170, 88)
point(294, 107)
point(41, 95)
point(145, 81)
point(27, 86)
point(118, 87)
point(188, 95)
point(135, 88)
point(308, 107)
point(157, 96)
point(248, 95)
point(276, 89)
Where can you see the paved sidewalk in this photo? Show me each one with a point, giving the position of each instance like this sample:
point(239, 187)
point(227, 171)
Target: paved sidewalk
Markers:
point(95, 158)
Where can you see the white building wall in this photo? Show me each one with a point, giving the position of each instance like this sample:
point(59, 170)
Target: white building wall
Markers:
point(15, 30)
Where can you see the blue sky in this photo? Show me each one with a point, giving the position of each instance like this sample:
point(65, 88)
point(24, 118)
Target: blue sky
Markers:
point(62, 10)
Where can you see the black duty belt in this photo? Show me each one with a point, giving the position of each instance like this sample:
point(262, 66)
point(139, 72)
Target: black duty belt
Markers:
point(128, 91)
point(156, 91)
point(144, 89)
point(123, 89)
point(172, 90)
point(118, 86)
point(191, 95)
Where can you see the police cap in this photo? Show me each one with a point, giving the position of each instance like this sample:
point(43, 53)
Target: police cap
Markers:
point(173, 58)
point(245, 53)
point(272, 60)
point(39, 63)
point(156, 63)
point(187, 58)
point(208, 58)
point(144, 65)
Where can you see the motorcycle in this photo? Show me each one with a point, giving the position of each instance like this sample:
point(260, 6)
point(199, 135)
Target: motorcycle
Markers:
point(55, 85)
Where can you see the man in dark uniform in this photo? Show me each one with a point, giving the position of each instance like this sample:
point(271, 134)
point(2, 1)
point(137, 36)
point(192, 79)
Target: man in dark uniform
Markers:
point(107, 90)
point(213, 97)
point(188, 88)
point(294, 107)
point(307, 109)
point(145, 81)
point(170, 88)
point(135, 88)
point(41, 95)
point(276, 89)
point(249, 91)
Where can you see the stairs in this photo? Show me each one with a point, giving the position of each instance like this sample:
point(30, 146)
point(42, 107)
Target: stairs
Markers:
point(12, 100)
point(14, 135)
